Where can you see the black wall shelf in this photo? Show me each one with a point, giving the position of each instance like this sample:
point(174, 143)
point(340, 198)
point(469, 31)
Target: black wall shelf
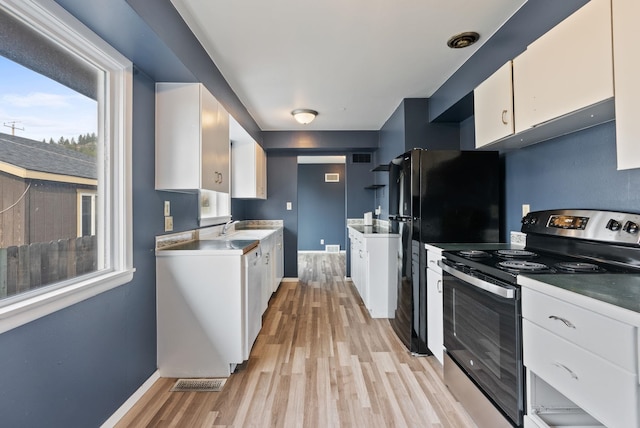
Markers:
point(375, 186)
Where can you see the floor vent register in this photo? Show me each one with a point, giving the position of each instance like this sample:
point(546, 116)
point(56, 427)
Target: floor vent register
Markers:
point(198, 385)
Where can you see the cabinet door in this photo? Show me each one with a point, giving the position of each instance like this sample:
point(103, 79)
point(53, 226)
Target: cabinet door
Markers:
point(177, 157)
point(279, 259)
point(215, 145)
point(249, 169)
point(627, 86)
point(568, 68)
point(493, 107)
point(435, 333)
point(261, 172)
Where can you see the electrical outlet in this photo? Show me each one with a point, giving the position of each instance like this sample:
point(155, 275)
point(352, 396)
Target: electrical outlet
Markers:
point(322, 242)
point(168, 224)
point(525, 209)
point(167, 208)
point(289, 206)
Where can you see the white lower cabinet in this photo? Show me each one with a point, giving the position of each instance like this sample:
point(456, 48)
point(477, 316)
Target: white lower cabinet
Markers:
point(278, 259)
point(373, 270)
point(435, 325)
point(582, 367)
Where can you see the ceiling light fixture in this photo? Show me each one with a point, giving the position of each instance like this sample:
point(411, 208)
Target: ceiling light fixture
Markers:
point(463, 40)
point(304, 115)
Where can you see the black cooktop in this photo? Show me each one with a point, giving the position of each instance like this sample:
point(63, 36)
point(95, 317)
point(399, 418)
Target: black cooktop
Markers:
point(507, 263)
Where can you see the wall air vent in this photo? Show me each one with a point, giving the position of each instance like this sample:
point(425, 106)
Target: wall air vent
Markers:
point(332, 177)
point(361, 158)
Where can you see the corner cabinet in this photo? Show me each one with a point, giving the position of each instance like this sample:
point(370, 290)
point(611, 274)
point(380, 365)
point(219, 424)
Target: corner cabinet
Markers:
point(249, 170)
point(192, 139)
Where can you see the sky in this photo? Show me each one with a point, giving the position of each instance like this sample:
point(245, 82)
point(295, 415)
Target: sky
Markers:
point(43, 107)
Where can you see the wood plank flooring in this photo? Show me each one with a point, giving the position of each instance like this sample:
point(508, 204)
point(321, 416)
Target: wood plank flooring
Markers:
point(320, 361)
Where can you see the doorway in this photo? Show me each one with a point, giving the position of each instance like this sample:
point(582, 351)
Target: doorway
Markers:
point(322, 213)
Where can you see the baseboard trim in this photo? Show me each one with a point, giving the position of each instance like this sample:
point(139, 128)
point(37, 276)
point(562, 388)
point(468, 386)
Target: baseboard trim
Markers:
point(131, 401)
point(290, 280)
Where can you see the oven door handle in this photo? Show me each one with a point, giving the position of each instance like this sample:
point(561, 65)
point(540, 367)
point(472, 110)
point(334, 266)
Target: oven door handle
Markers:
point(507, 293)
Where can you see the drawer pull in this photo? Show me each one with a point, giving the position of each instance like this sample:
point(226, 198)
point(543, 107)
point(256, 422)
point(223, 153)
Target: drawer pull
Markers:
point(562, 366)
point(564, 321)
point(439, 286)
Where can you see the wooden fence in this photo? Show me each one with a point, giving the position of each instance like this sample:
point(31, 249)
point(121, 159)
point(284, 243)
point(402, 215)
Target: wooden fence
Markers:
point(26, 267)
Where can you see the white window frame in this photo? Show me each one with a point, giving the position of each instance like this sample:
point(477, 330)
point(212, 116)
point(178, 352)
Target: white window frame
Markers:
point(93, 195)
point(114, 224)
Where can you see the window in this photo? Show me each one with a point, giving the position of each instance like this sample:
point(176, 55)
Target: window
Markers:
point(64, 184)
point(86, 214)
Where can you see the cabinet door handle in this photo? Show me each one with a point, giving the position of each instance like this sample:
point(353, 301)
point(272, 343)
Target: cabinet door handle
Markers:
point(563, 320)
point(562, 366)
point(439, 286)
point(504, 117)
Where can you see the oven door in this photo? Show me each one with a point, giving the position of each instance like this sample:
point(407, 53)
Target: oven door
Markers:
point(482, 335)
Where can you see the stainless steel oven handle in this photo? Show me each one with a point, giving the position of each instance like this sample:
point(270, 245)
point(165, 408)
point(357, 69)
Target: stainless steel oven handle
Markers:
point(486, 286)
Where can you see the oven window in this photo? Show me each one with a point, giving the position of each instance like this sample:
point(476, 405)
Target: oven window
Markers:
point(477, 328)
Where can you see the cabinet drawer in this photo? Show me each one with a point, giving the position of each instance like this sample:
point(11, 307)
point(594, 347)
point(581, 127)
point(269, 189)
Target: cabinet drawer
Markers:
point(608, 338)
point(605, 391)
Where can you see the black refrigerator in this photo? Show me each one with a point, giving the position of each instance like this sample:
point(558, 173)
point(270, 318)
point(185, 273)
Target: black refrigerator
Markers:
point(437, 196)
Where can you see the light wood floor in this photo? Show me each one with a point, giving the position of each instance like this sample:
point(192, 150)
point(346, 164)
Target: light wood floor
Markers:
point(319, 361)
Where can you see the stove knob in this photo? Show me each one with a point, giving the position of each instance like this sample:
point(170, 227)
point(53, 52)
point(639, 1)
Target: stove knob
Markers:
point(614, 225)
point(630, 227)
point(534, 220)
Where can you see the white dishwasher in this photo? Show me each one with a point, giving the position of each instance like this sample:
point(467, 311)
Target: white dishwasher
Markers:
point(208, 306)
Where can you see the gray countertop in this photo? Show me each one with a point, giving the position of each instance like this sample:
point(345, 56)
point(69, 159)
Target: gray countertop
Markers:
point(226, 246)
point(619, 289)
point(372, 230)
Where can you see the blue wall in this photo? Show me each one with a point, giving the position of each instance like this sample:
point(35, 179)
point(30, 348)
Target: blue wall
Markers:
point(321, 207)
point(573, 171)
point(76, 366)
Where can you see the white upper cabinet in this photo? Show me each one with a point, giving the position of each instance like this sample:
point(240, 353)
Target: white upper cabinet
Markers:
point(568, 68)
point(562, 83)
point(626, 14)
point(249, 165)
point(493, 107)
point(192, 139)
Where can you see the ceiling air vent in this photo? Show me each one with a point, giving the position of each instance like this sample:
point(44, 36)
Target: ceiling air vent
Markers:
point(361, 158)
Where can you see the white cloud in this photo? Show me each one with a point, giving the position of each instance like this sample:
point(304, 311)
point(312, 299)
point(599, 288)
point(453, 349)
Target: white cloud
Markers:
point(37, 99)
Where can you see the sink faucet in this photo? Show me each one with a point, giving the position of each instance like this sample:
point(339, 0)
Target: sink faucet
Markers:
point(225, 228)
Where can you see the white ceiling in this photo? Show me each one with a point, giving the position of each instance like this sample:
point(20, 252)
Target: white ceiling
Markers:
point(351, 60)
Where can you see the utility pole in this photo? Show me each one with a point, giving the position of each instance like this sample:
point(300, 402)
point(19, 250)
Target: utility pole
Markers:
point(13, 127)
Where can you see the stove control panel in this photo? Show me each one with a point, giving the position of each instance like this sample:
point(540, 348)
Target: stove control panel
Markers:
point(602, 226)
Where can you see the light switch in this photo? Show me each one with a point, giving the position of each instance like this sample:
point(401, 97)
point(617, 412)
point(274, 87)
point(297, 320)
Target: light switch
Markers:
point(168, 224)
point(525, 209)
point(289, 206)
point(167, 208)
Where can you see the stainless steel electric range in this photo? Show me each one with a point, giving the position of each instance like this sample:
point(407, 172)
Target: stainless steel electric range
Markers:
point(482, 310)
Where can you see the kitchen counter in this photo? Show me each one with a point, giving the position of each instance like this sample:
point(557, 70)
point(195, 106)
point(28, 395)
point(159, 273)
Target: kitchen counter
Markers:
point(372, 231)
point(219, 246)
point(614, 295)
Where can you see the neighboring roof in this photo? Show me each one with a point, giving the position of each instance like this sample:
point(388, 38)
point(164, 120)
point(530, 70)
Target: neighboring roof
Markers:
point(32, 155)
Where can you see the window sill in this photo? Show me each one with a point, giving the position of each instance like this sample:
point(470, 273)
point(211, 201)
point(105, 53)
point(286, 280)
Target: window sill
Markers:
point(27, 310)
